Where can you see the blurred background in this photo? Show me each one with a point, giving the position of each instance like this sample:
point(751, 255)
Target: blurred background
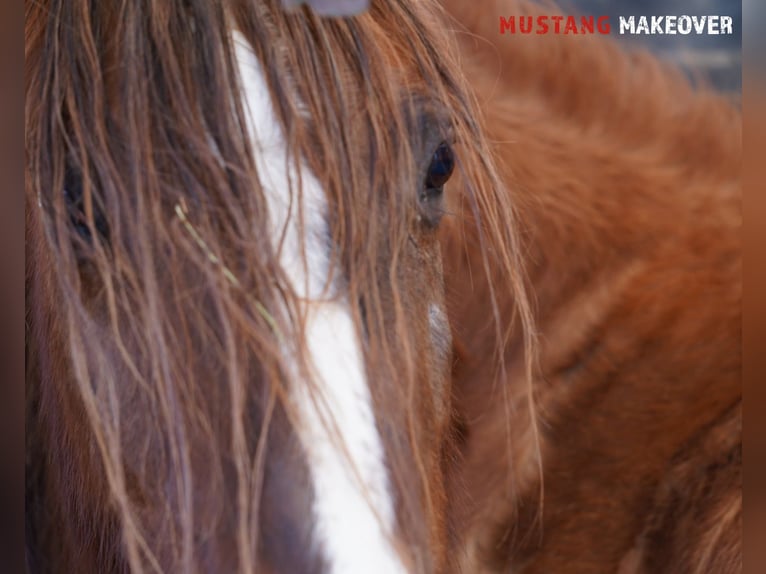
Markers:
point(716, 58)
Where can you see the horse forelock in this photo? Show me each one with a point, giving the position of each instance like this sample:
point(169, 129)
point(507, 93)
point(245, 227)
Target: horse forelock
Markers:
point(185, 135)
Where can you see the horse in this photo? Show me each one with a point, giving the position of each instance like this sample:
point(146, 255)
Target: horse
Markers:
point(237, 344)
point(626, 178)
point(266, 331)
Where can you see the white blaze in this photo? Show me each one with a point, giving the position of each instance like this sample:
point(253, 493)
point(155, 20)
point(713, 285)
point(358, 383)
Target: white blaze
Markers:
point(352, 519)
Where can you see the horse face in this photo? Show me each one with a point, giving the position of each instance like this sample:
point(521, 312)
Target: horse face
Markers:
point(356, 452)
point(241, 333)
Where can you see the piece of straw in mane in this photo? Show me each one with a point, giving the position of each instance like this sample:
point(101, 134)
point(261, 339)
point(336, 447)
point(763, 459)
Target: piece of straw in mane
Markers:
point(135, 98)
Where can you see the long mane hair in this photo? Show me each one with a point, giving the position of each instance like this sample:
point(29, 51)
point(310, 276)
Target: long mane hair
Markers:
point(148, 263)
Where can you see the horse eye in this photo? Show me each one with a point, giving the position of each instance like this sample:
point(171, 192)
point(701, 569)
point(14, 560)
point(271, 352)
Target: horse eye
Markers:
point(74, 197)
point(441, 167)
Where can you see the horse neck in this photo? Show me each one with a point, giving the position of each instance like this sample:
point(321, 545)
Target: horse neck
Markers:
point(626, 185)
point(605, 153)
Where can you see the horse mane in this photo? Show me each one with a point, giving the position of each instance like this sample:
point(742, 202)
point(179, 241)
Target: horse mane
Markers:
point(626, 177)
point(151, 277)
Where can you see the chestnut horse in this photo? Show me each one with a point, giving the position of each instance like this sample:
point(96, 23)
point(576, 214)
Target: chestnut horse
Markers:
point(238, 353)
point(245, 352)
point(627, 182)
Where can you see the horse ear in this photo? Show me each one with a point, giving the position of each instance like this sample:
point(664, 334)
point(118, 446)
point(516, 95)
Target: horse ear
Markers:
point(331, 7)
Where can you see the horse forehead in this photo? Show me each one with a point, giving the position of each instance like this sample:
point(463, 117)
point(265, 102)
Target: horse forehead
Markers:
point(265, 130)
point(278, 180)
point(351, 506)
